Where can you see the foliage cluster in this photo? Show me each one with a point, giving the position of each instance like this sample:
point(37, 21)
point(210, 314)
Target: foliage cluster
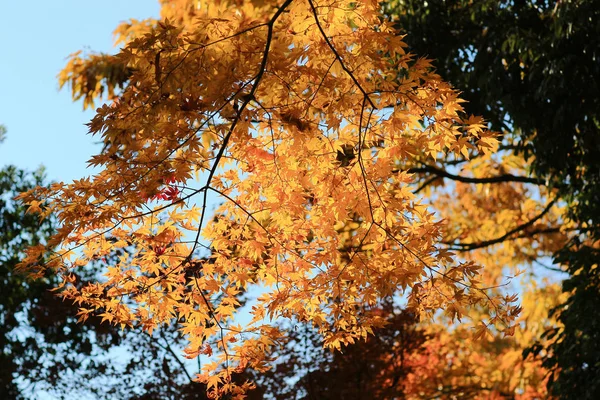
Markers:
point(354, 193)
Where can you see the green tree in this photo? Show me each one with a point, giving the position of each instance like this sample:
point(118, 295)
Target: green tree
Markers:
point(531, 69)
point(19, 296)
point(44, 348)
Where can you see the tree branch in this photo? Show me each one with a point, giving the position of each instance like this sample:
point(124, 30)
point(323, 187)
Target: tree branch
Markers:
point(467, 179)
point(338, 56)
point(485, 243)
point(168, 348)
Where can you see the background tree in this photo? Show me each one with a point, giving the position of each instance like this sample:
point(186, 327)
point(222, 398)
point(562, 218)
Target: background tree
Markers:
point(378, 368)
point(19, 296)
point(531, 69)
point(406, 361)
point(45, 349)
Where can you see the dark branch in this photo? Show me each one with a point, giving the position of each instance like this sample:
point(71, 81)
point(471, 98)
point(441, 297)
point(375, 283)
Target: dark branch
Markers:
point(485, 243)
point(426, 183)
point(467, 179)
point(169, 349)
point(337, 55)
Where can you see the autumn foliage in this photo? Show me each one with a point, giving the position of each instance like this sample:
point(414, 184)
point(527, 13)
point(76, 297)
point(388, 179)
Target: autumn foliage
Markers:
point(342, 173)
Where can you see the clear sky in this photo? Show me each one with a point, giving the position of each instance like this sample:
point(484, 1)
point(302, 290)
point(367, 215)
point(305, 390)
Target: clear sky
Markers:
point(44, 126)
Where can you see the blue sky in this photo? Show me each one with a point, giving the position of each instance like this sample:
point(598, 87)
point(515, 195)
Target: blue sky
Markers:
point(44, 126)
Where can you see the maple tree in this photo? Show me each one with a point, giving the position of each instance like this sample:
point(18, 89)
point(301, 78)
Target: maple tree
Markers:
point(514, 227)
point(305, 119)
point(325, 142)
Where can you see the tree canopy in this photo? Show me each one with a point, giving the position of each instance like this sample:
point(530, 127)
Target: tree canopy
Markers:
point(346, 183)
